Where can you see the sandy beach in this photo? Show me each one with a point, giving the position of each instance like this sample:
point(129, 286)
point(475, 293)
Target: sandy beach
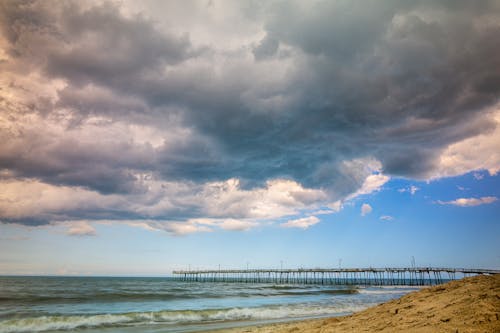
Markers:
point(467, 305)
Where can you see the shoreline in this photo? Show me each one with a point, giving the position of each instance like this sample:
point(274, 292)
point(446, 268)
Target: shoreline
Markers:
point(468, 305)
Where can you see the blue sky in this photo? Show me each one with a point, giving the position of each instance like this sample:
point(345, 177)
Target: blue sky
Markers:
point(434, 234)
point(142, 137)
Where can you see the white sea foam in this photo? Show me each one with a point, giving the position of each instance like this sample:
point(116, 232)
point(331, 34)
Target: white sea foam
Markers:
point(387, 290)
point(46, 323)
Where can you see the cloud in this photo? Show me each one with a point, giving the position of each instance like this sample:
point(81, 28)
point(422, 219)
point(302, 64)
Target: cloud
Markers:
point(478, 176)
point(477, 152)
point(386, 218)
point(469, 202)
point(143, 112)
point(81, 229)
point(226, 224)
point(371, 184)
point(302, 223)
point(366, 209)
point(266, 48)
point(330, 208)
point(33, 202)
point(182, 228)
point(336, 206)
point(324, 212)
point(412, 189)
point(237, 225)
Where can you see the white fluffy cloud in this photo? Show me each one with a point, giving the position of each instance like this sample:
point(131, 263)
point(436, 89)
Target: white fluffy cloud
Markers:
point(474, 153)
point(412, 189)
point(81, 228)
point(369, 168)
point(336, 206)
point(20, 199)
point(181, 228)
point(302, 223)
point(469, 202)
point(225, 224)
point(371, 184)
point(366, 209)
point(225, 204)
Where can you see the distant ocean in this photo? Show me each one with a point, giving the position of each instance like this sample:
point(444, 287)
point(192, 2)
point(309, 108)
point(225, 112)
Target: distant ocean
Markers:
point(112, 304)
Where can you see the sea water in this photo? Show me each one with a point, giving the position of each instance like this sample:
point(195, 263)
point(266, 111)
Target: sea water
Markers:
point(119, 304)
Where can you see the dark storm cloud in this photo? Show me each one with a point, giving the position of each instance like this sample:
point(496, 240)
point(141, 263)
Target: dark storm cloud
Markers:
point(87, 45)
point(396, 81)
point(266, 48)
point(378, 65)
point(69, 159)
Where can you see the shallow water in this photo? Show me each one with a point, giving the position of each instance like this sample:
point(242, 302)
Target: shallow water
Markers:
point(112, 304)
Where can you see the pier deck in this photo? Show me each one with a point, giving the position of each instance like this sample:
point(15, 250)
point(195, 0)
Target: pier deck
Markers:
point(409, 276)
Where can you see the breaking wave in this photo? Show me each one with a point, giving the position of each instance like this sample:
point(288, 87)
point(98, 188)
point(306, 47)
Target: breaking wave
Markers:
point(71, 322)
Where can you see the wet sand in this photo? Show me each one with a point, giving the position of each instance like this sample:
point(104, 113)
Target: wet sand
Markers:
point(467, 305)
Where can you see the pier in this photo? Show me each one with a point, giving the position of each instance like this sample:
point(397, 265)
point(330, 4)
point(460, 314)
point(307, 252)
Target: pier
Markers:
point(410, 276)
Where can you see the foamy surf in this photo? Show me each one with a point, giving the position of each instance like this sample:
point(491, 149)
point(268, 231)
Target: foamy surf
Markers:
point(52, 323)
point(95, 304)
point(396, 290)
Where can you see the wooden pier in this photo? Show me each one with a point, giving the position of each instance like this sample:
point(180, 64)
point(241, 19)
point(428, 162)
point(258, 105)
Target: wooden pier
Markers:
point(410, 276)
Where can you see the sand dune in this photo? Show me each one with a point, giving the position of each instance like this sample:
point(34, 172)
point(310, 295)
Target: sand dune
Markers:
point(467, 305)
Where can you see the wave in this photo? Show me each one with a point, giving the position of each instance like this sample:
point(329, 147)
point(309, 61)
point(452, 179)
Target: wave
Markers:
point(139, 297)
point(388, 291)
point(318, 292)
point(107, 297)
point(72, 322)
point(280, 287)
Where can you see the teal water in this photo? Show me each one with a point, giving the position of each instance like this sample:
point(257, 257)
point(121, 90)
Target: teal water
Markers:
point(115, 304)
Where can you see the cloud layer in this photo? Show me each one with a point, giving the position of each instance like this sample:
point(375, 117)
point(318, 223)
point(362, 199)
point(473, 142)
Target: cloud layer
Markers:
point(164, 113)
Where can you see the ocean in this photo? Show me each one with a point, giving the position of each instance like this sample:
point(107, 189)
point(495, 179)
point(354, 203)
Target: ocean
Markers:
point(133, 304)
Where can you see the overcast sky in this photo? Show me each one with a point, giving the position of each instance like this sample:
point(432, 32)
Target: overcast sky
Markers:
point(195, 123)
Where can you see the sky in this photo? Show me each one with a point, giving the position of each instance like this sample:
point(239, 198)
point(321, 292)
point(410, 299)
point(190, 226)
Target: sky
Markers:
point(141, 137)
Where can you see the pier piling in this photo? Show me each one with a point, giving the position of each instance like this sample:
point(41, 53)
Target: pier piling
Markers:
point(408, 276)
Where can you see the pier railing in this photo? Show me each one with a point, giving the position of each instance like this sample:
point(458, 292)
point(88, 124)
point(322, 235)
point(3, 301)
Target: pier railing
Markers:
point(408, 276)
